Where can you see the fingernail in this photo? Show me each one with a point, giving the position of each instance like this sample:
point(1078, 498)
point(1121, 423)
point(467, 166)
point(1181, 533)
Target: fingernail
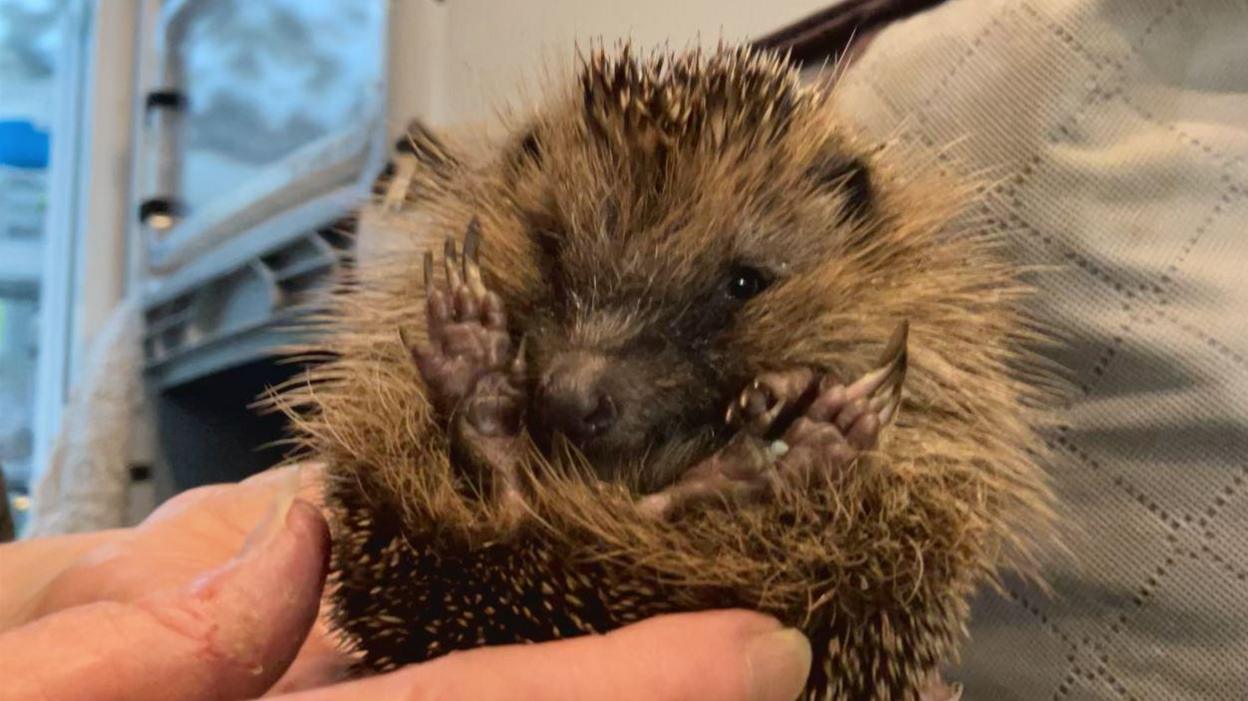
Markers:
point(274, 519)
point(779, 663)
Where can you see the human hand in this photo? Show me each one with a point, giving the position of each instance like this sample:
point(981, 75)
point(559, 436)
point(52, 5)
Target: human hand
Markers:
point(139, 619)
point(194, 532)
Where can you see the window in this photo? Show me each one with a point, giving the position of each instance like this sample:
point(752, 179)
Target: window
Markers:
point(32, 36)
point(263, 108)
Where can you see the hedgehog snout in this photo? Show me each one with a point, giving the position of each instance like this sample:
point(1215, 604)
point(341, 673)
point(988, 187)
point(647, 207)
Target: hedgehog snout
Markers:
point(575, 399)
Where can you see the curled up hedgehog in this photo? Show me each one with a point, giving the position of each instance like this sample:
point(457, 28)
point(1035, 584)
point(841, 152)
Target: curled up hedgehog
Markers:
point(684, 344)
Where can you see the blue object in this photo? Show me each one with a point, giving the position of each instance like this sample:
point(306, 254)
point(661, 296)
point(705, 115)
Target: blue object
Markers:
point(22, 145)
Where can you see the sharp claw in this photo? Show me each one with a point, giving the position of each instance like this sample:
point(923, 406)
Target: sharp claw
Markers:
point(519, 364)
point(889, 412)
point(472, 240)
point(891, 370)
point(472, 271)
point(882, 387)
point(770, 397)
point(452, 264)
point(735, 416)
point(772, 414)
point(896, 348)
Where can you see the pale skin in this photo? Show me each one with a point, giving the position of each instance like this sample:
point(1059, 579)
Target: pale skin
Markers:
point(217, 596)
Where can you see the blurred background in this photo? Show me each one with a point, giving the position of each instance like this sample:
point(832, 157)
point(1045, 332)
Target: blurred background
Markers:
point(174, 179)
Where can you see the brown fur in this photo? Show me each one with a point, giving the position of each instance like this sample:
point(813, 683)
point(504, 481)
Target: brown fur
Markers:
point(648, 180)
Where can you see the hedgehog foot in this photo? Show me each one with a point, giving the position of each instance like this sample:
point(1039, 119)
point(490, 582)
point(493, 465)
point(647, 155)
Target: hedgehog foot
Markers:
point(473, 371)
point(791, 426)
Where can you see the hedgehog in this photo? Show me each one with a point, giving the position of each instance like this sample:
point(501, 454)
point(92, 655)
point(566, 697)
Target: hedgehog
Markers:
point(683, 342)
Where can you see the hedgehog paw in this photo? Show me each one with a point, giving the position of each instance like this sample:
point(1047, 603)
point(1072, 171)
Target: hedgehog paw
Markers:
point(475, 374)
point(468, 339)
point(791, 426)
point(840, 422)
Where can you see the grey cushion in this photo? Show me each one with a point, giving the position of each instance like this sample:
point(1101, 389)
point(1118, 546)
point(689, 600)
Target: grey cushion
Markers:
point(1116, 133)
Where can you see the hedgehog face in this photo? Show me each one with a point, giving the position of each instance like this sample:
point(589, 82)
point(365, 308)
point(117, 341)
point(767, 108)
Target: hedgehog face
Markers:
point(631, 344)
point(656, 238)
point(660, 228)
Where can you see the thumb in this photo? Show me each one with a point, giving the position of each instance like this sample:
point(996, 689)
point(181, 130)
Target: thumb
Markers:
point(230, 634)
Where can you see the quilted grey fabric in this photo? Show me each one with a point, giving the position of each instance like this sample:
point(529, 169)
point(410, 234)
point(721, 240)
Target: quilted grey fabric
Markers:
point(1116, 133)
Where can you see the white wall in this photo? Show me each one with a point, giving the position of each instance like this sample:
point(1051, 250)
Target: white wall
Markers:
point(495, 51)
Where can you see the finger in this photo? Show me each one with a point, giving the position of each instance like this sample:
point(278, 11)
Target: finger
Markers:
point(437, 309)
point(848, 415)
point(310, 476)
point(831, 398)
point(229, 634)
point(465, 303)
point(493, 313)
point(31, 568)
point(724, 655)
point(863, 432)
point(134, 562)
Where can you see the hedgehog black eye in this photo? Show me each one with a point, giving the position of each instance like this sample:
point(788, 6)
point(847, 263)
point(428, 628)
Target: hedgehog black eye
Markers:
point(745, 282)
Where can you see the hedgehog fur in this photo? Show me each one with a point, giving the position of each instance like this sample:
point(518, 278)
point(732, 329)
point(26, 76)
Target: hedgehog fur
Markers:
point(646, 177)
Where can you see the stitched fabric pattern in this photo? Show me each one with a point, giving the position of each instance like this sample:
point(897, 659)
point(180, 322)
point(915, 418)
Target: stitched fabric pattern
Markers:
point(1113, 135)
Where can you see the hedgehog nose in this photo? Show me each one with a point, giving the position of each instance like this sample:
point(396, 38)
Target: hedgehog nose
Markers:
point(573, 400)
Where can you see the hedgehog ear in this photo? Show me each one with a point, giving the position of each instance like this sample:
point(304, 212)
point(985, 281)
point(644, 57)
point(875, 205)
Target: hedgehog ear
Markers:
point(421, 161)
point(849, 178)
point(529, 149)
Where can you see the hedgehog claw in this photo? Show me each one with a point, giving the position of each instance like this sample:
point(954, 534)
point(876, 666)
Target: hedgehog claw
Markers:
point(453, 277)
point(474, 373)
point(882, 386)
point(759, 408)
point(792, 426)
point(472, 240)
point(472, 272)
point(428, 271)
